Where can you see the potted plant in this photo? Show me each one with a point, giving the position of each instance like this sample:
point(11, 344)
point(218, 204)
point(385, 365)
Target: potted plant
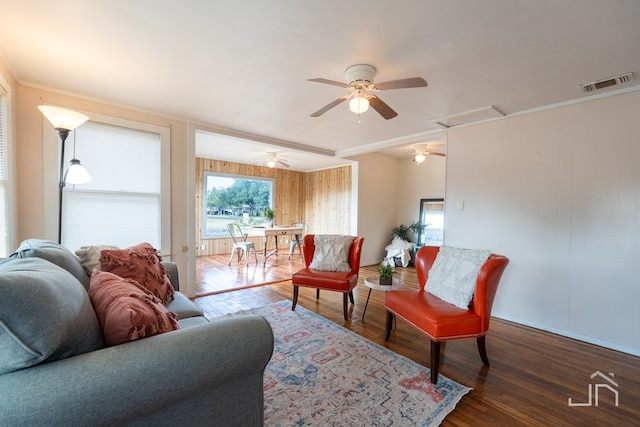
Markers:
point(417, 229)
point(405, 232)
point(386, 273)
point(269, 215)
point(401, 231)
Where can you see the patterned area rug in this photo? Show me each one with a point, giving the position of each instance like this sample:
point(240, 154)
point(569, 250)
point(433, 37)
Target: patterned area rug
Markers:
point(325, 375)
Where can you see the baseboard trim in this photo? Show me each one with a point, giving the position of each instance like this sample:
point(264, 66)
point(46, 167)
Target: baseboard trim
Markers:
point(580, 337)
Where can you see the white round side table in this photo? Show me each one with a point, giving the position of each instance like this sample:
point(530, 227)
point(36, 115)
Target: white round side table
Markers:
point(373, 282)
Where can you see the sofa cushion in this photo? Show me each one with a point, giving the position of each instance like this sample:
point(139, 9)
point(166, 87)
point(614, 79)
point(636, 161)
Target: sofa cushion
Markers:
point(453, 274)
point(142, 264)
point(128, 311)
point(331, 253)
point(183, 307)
point(55, 253)
point(45, 315)
point(89, 256)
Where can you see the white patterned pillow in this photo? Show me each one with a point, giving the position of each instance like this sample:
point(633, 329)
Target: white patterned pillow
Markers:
point(453, 275)
point(331, 253)
point(89, 256)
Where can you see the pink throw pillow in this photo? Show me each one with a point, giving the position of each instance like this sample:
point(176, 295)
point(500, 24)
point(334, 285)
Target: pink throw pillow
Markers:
point(142, 264)
point(126, 310)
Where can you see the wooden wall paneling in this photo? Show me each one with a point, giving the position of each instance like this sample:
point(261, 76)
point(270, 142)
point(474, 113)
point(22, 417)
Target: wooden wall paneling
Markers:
point(288, 199)
point(327, 200)
point(322, 199)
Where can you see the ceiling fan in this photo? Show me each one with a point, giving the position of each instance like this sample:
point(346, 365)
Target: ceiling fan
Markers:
point(273, 160)
point(360, 84)
point(420, 153)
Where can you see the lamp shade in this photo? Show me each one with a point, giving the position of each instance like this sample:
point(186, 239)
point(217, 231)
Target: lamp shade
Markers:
point(419, 158)
point(61, 118)
point(359, 104)
point(76, 174)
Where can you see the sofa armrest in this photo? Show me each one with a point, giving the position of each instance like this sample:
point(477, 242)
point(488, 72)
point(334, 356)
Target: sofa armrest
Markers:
point(172, 271)
point(209, 374)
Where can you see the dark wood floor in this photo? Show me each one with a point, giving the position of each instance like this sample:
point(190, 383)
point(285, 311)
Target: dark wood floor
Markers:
point(532, 375)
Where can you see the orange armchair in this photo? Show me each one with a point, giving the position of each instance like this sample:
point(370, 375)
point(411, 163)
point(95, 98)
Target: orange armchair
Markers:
point(439, 320)
point(328, 280)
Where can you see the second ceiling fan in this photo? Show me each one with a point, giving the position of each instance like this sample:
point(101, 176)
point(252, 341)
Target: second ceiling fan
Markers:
point(361, 85)
point(272, 161)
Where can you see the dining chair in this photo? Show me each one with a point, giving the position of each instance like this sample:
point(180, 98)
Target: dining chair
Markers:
point(298, 243)
point(240, 245)
point(440, 320)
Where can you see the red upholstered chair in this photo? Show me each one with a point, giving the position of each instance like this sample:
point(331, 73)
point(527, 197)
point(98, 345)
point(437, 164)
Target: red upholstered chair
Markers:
point(439, 320)
point(328, 280)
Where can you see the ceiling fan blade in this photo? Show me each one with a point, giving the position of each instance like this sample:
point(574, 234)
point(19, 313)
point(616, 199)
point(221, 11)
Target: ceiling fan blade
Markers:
point(330, 106)
point(402, 83)
point(283, 163)
point(433, 153)
point(381, 107)
point(329, 82)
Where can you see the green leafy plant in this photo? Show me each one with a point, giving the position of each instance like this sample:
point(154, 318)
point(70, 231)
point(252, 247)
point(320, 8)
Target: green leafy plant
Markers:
point(385, 270)
point(269, 214)
point(407, 232)
point(418, 228)
point(401, 231)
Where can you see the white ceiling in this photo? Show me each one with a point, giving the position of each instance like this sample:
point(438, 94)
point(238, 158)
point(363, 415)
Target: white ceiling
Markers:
point(240, 68)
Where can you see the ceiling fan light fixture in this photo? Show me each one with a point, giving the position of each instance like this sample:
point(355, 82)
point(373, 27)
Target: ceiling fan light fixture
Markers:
point(360, 81)
point(419, 158)
point(419, 153)
point(272, 161)
point(359, 104)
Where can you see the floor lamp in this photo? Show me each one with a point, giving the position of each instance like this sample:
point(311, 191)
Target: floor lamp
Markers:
point(64, 121)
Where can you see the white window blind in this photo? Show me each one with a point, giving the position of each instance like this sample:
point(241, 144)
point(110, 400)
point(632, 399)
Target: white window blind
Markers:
point(122, 205)
point(4, 220)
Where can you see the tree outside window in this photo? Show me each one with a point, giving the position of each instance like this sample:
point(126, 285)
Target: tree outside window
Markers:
point(232, 198)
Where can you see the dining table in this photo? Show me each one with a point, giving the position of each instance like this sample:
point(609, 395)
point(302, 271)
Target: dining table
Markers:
point(274, 232)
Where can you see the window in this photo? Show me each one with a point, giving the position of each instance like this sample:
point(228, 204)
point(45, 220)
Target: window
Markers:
point(4, 170)
point(127, 200)
point(233, 198)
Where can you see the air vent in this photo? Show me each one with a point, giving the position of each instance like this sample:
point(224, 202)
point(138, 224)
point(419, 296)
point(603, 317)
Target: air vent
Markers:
point(601, 84)
point(481, 114)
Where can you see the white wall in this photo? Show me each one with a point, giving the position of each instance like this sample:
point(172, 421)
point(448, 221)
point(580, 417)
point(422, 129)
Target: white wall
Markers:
point(377, 204)
point(34, 165)
point(558, 192)
point(8, 87)
point(415, 182)
point(389, 193)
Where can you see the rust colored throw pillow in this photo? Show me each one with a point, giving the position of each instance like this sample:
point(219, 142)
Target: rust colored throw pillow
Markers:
point(126, 310)
point(142, 264)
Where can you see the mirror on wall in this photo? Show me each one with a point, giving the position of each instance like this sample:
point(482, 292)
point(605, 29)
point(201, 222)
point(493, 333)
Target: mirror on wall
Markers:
point(432, 214)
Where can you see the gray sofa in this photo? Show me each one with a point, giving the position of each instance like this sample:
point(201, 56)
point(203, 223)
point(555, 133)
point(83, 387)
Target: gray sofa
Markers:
point(205, 373)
